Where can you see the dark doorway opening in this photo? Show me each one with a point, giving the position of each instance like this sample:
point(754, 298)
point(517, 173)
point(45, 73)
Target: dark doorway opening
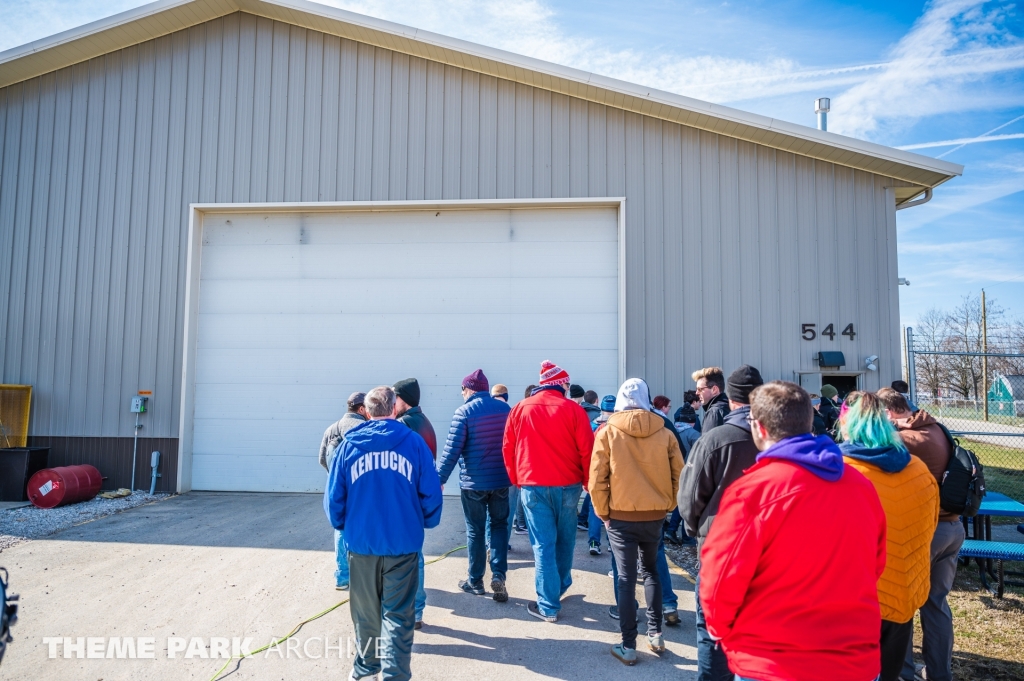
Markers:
point(844, 384)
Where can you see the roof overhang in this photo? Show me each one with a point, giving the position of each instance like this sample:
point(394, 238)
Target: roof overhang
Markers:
point(160, 18)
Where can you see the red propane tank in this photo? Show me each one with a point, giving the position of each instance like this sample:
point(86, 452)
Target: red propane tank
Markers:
point(52, 487)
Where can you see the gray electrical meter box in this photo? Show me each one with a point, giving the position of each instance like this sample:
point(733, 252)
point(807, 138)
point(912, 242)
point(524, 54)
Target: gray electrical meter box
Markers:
point(139, 405)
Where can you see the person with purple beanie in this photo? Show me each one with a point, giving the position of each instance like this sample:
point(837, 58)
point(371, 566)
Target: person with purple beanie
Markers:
point(474, 443)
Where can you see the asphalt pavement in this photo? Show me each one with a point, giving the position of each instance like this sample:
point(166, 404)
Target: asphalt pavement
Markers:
point(196, 571)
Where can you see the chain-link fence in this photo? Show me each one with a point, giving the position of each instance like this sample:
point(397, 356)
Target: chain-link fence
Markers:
point(968, 386)
point(999, 444)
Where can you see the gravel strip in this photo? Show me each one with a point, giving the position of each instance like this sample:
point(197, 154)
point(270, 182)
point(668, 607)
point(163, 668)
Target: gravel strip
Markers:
point(685, 557)
point(21, 524)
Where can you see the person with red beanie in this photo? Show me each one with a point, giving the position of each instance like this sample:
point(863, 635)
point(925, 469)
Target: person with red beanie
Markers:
point(546, 447)
point(790, 567)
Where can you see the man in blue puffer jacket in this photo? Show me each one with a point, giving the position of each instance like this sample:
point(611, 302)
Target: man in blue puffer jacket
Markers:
point(382, 493)
point(474, 442)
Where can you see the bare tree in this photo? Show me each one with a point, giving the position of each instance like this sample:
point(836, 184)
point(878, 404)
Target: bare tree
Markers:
point(1010, 339)
point(965, 335)
point(930, 335)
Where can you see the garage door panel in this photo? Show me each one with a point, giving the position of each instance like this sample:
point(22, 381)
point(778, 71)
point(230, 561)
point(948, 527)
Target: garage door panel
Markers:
point(418, 260)
point(483, 295)
point(224, 472)
point(349, 372)
point(298, 311)
point(571, 225)
point(357, 261)
point(256, 434)
point(397, 331)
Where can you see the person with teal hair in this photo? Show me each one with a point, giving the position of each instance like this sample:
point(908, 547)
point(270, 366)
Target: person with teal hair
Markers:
point(863, 421)
point(910, 498)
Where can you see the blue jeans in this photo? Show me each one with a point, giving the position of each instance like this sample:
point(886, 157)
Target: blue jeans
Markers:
point(513, 510)
point(341, 558)
point(711, 662)
point(584, 514)
point(674, 522)
point(669, 599)
point(594, 524)
point(421, 593)
point(477, 506)
point(551, 520)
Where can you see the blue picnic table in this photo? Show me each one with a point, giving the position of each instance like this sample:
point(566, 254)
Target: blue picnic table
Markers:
point(984, 550)
point(994, 504)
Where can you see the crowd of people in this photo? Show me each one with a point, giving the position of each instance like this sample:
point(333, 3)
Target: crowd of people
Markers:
point(816, 517)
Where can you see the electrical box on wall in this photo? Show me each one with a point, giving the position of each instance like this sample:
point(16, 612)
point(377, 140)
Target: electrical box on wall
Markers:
point(139, 405)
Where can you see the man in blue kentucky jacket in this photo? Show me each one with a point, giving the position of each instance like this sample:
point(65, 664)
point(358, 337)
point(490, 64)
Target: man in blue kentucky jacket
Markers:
point(383, 491)
point(474, 442)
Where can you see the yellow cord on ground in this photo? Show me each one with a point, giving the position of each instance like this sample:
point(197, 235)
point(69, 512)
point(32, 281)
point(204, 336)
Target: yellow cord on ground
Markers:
point(317, 616)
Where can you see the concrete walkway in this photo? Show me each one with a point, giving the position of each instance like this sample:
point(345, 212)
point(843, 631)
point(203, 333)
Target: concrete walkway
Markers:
point(210, 565)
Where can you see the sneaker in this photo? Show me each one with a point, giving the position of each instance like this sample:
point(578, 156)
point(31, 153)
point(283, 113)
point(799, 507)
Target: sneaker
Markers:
point(353, 677)
point(671, 618)
point(418, 625)
point(613, 612)
point(582, 525)
point(499, 591)
point(341, 587)
point(471, 589)
point(656, 643)
point(534, 610)
point(626, 656)
point(519, 530)
point(687, 540)
point(595, 548)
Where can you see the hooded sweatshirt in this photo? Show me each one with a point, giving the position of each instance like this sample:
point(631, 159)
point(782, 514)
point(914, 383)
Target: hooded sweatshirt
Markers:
point(383, 489)
point(634, 469)
point(925, 439)
point(789, 570)
point(335, 434)
point(717, 459)
point(910, 497)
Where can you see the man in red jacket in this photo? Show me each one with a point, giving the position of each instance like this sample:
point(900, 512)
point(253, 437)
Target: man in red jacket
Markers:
point(547, 445)
point(790, 566)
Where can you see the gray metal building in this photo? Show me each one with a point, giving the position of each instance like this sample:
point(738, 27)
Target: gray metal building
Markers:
point(137, 151)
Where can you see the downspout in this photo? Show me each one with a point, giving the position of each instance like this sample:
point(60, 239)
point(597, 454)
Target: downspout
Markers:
point(917, 202)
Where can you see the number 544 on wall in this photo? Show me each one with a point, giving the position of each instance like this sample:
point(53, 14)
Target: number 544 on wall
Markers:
point(809, 332)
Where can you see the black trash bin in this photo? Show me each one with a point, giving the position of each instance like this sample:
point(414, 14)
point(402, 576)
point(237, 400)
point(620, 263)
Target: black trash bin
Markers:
point(17, 465)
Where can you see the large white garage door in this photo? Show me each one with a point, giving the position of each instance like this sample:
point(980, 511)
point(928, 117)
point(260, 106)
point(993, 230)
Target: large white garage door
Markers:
point(296, 311)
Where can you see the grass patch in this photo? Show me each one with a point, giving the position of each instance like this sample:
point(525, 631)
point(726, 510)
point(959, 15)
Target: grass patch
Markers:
point(1004, 466)
point(971, 413)
point(989, 632)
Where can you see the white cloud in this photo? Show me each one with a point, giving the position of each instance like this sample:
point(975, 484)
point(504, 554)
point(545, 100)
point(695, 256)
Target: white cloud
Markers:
point(531, 28)
point(944, 64)
point(963, 141)
point(959, 197)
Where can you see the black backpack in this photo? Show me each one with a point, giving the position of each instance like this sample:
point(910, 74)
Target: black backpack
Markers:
point(963, 484)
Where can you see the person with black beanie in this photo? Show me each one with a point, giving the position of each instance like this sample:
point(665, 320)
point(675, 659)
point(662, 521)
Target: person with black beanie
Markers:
point(717, 459)
point(407, 408)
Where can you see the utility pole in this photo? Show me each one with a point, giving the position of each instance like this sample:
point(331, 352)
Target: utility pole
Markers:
point(984, 356)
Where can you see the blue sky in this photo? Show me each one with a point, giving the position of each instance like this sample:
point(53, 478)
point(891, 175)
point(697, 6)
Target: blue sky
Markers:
point(899, 73)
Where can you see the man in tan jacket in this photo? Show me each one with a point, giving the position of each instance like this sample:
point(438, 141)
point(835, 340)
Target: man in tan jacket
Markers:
point(634, 477)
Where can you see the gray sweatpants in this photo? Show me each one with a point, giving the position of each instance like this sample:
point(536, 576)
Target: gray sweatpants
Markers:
point(936, 618)
point(383, 591)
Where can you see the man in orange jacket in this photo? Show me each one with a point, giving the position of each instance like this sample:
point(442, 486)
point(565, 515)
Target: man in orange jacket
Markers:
point(547, 446)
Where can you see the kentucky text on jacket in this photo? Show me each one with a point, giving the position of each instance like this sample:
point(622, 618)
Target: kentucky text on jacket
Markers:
point(386, 460)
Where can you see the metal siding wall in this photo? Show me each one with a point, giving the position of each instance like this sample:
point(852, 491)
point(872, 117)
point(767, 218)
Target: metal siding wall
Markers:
point(730, 246)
